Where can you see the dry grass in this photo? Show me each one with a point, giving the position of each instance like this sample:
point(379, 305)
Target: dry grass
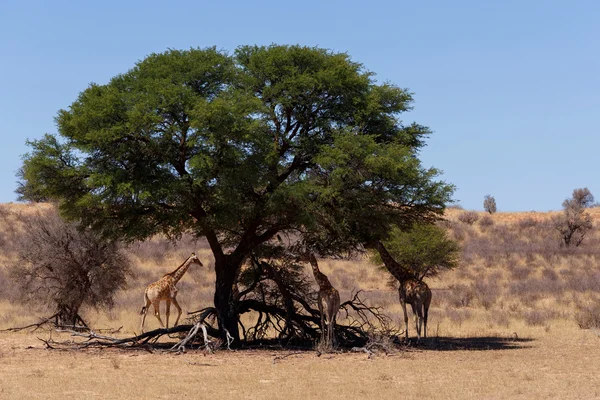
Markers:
point(514, 279)
point(560, 364)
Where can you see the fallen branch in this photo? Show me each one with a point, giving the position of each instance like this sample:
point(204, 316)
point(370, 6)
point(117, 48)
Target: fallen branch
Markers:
point(180, 347)
point(53, 321)
point(364, 350)
point(38, 325)
point(139, 341)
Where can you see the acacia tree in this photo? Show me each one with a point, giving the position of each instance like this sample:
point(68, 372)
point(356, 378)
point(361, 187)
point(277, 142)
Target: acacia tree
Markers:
point(238, 148)
point(574, 222)
point(489, 204)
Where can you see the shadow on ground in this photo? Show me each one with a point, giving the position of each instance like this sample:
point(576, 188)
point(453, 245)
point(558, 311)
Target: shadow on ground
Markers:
point(473, 343)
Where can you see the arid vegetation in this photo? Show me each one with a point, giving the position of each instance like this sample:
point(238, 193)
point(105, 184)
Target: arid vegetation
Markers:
point(518, 292)
point(513, 271)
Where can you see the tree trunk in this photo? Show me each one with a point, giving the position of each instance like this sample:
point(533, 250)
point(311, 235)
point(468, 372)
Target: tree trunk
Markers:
point(67, 315)
point(227, 312)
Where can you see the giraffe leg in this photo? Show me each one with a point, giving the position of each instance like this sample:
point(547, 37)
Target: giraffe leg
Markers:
point(405, 320)
point(333, 306)
point(168, 312)
point(416, 308)
point(322, 317)
point(156, 306)
point(425, 315)
point(332, 319)
point(176, 304)
point(403, 304)
point(336, 309)
point(328, 322)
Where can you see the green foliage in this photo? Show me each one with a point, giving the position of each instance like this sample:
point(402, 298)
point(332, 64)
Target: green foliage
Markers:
point(238, 148)
point(425, 249)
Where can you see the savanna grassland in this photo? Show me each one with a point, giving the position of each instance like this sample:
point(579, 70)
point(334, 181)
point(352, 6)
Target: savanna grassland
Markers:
point(517, 319)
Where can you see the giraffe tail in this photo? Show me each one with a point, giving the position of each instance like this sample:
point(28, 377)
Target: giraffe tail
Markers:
point(146, 303)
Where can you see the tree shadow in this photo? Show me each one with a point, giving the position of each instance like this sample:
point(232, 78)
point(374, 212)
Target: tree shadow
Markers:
point(479, 343)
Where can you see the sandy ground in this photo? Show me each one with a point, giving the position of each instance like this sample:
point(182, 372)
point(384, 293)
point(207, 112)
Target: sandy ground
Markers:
point(560, 364)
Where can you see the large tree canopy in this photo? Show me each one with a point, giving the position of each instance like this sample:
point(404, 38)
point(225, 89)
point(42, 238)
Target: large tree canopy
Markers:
point(239, 148)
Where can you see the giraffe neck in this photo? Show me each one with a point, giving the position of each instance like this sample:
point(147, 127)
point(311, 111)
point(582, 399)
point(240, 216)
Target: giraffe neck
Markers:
point(400, 273)
point(181, 270)
point(320, 277)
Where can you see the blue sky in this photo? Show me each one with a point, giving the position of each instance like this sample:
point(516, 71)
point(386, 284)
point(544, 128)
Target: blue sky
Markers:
point(511, 89)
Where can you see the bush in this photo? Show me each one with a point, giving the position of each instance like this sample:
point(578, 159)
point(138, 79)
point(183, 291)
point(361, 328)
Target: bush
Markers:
point(486, 221)
point(528, 223)
point(65, 265)
point(588, 317)
point(468, 217)
point(458, 295)
point(537, 317)
point(486, 292)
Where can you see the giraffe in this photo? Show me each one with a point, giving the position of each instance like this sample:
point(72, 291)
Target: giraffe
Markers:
point(412, 290)
point(164, 289)
point(328, 301)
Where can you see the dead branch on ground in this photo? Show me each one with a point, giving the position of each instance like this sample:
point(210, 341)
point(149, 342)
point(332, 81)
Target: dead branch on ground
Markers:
point(50, 322)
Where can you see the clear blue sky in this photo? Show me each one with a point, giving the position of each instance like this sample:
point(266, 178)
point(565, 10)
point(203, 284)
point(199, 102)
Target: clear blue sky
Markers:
point(511, 89)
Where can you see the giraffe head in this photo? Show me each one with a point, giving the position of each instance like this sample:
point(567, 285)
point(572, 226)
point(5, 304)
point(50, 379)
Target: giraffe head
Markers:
point(194, 259)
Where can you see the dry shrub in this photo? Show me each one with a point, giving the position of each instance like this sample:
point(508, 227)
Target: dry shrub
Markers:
point(66, 266)
point(523, 290)
point(537, 317)
point(499, 318)
point(459, 233)
point(549, 274)
point(8, 290)
point(520, 272)
point(458, 316)
point(486, 292)
point(458, 295)
point(527, 223)
point(583, 281)
point(476, 247)
point(531, 290)
point(468, 217)
point(486, 221)
point(588, 316)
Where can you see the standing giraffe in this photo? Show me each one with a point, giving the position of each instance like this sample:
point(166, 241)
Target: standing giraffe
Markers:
point(329, 301)
point(164, 289)
point(412, 291)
